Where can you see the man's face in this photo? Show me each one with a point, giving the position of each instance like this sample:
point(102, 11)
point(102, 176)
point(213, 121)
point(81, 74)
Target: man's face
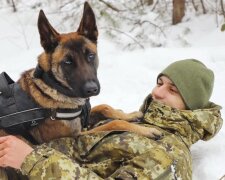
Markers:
point(167, 93)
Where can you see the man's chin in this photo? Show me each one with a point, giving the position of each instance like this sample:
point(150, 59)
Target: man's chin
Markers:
point(159, 101)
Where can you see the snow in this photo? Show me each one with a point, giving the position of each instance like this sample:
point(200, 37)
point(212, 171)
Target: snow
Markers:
point(126, 77)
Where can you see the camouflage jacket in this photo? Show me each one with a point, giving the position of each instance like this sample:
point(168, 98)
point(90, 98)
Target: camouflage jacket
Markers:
point(125, 155)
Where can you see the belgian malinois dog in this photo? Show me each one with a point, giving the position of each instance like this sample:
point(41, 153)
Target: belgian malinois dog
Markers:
point(51, 100)
point(57, 90)
point(65, 77)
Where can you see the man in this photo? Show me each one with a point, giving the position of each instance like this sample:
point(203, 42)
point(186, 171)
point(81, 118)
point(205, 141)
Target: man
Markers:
point(178, 106)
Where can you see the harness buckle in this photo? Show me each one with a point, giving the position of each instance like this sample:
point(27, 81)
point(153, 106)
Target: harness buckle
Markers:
point(53, 114)
point(33, 123)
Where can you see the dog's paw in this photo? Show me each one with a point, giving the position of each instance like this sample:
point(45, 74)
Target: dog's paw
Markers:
point(153, 133)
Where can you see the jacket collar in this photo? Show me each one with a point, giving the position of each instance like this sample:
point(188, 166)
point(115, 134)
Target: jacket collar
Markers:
point(191, 125)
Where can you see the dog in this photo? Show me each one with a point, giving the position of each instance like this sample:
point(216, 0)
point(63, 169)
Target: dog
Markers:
point(58, 89)
point(52, 100)
point(62, 82)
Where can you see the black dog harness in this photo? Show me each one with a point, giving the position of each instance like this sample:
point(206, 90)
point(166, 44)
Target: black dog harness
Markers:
point(19, 112)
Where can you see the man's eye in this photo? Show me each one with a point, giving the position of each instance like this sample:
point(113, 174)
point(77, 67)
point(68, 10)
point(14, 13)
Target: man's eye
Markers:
point(173, 90)
point(91, 57)
point(159, 84)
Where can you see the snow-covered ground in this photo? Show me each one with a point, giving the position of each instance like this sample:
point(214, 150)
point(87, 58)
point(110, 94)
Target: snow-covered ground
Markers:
point(127, 77)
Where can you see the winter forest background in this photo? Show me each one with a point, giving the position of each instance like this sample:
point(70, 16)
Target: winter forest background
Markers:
point(130, 23)
point(137, 39)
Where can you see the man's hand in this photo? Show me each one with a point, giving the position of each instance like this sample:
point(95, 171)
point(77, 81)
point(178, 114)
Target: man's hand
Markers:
point(13, 151)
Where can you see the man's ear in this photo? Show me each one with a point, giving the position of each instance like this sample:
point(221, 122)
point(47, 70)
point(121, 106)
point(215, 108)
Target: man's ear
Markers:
point(48, 35)
point(88, 27)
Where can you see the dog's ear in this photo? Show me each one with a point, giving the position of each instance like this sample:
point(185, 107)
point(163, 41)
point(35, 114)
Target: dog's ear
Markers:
point(88, 27)
point(48, 35)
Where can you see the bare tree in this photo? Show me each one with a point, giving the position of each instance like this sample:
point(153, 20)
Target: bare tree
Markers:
point(13, 6)
point(222, 8)
point(194, 5)
point(12, 3)
point(130, 23)
point(178, 11)
point(203, 7)
point(146, 2)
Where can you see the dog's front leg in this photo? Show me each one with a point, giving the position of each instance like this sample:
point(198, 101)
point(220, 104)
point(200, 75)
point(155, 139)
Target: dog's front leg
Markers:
point(121, 125)
point(104, 111)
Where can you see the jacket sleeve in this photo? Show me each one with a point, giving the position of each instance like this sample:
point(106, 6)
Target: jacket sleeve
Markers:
point(45, 162)
point(153, 164)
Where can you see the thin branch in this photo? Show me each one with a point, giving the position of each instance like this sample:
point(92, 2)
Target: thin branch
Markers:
point(155, 5)
point(110, 6)
point(65, 4)
point(71, 3)
point(156, 26)
point(117, 30)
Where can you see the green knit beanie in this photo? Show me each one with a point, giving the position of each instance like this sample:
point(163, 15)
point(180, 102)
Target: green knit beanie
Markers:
point(193, 80)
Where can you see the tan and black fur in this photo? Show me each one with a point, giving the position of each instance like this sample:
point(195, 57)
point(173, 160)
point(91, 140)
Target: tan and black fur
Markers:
point(72, 60)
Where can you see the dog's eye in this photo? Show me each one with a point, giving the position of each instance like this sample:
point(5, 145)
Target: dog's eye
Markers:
point(68, 61)
point(91, 57)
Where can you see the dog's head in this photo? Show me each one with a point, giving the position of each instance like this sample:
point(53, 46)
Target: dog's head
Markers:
point(69, 62)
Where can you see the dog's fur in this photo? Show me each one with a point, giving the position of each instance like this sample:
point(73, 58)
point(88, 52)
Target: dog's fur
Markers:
point(73, 61)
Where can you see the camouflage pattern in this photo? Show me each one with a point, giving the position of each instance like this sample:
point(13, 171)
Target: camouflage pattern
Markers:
point(125, 155)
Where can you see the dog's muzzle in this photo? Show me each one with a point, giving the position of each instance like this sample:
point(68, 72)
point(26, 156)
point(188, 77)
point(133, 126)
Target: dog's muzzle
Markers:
point(91, 88)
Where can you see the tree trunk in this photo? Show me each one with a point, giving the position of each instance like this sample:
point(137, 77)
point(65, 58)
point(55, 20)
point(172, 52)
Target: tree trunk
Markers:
point(14, 6)
point(222, 8)
point(203, 7)
point(195, 7)
point(149, 2)
point(178, 11)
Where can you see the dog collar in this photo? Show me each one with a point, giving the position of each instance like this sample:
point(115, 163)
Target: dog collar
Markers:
point(65, 114)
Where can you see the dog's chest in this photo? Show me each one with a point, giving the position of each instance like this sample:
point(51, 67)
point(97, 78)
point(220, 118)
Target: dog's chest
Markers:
point(53, 129)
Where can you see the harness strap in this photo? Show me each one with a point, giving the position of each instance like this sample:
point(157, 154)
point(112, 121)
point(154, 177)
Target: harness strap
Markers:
point(5, 80)
point(29, 117)
point(86, 110)
point(32, 117)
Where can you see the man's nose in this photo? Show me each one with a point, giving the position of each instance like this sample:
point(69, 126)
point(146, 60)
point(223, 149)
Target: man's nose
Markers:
point(160, 92)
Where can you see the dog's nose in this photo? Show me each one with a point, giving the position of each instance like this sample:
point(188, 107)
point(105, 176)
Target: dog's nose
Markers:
point(91, 88)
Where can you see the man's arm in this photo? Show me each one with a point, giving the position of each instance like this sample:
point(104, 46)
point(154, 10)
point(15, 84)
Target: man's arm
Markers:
point(41, 162)
point(45, 162)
